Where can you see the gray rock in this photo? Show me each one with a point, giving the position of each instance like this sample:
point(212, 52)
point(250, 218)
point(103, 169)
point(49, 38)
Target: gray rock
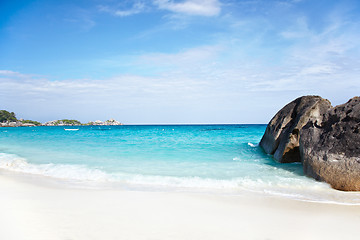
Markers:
point(112, 122)
point(325, 139)
point(281, 137)
point(330, 151)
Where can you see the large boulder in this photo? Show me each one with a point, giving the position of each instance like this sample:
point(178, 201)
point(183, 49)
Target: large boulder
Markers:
point(330, 151)
point(325, 139)
point(281, 137)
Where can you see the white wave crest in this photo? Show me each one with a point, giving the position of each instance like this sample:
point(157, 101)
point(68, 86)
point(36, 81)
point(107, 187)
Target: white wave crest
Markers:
point(252, 145)
point(302, 190)
point(71, 172)
point(12, 162)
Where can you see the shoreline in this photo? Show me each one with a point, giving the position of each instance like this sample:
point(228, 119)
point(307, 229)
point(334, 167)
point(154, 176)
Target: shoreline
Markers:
point(323, 195)
point(141, 124)
point(40, 209)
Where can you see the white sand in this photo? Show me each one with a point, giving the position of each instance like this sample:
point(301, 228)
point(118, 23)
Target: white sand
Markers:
point(46, 211)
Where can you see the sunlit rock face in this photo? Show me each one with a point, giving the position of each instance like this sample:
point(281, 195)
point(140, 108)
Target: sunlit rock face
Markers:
point(325, 139)
point(331, 152)
point(281, 137)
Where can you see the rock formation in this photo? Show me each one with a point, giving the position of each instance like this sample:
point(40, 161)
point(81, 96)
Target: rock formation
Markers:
point(63, 122)
point(330, 152)
point(111, 122)
point(324, 138)
point(17, 124)
point(281, 137)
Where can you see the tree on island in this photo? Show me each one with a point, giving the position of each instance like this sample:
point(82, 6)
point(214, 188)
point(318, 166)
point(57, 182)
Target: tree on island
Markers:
point(36, 123)
point(67, 122)
point(6, 116)
point(8, 119)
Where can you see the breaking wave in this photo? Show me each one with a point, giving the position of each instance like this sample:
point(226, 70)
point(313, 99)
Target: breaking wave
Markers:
point(290, 188)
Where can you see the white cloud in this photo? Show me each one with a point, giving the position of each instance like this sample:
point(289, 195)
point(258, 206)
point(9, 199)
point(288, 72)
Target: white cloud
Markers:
point(206, 8)
point(8, 73)
point(319, 69)
point(137, 7)
point(191, 7)
point(90, 99)
point(213, 83)
point(255, 67)
point(183, 59)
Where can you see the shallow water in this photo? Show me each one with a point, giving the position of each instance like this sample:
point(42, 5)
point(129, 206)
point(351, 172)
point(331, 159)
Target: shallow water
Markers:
point(211, 158)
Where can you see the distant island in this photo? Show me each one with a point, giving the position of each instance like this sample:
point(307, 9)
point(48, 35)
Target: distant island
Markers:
point(8, 119)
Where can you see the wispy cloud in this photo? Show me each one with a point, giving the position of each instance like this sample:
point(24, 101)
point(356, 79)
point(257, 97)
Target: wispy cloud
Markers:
point(8, 73)
point(181, 59)
point(259, 55)
point(191, 7)
point(190, 85)
point(97, 98)
point(251, 60)
point(136, 8)
point(205, 8)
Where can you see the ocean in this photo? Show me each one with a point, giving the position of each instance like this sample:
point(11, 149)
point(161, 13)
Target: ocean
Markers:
point(214, 159)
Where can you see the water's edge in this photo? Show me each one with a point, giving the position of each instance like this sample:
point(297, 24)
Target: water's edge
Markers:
point(215, 159)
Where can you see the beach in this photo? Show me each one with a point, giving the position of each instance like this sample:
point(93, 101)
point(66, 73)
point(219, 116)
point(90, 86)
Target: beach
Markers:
point(34, 207)
point(235, 120)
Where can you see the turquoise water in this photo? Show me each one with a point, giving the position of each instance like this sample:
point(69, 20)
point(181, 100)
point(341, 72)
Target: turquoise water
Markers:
point(210, 158)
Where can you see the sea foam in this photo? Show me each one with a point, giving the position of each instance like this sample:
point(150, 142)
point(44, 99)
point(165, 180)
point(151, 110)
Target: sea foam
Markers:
point(15, 163)
point(211, 158)
point(252, 145)
point(319, 192)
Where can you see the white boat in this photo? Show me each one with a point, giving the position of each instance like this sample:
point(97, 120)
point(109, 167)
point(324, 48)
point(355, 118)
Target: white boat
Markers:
point(71, 129)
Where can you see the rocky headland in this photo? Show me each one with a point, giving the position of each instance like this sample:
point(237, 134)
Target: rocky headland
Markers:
point(67, 122)
point(8, 119)
point(325, 139)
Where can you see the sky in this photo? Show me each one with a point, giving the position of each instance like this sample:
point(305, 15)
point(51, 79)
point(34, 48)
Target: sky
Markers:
point(175, 61)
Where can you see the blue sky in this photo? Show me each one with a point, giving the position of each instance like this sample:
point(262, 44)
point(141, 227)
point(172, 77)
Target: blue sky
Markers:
point(165, 61)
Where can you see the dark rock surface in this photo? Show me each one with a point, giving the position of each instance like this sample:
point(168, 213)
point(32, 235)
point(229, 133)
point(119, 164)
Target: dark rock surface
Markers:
point(281, 137)
point(330, 152)
point(325, 139)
